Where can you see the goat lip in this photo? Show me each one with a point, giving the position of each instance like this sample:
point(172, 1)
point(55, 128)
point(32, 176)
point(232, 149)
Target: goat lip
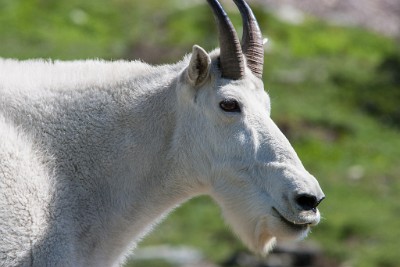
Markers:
point(299, 226)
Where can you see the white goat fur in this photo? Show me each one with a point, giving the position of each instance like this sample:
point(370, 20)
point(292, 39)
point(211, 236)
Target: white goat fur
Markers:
point(94, 153)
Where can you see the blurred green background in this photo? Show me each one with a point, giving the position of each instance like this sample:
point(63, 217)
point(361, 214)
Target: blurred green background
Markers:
point(335, 93)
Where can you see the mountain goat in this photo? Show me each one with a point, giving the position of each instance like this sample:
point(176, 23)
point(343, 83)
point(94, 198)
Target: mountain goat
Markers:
point(94, 153)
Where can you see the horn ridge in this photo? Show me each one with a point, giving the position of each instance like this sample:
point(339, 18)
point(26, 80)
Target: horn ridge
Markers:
point(231, 55)
point(252, 41)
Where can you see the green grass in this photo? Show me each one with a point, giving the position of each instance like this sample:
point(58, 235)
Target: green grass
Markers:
point(323, 81)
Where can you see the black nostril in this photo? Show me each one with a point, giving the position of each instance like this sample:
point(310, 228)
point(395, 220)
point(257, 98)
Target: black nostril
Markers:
point(308, 202)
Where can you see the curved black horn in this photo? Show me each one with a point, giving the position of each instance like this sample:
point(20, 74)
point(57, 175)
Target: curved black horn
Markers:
point(231, 55)
point(252, 41)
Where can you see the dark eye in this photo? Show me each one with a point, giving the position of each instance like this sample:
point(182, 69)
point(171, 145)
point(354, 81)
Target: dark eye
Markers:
point(229, 105)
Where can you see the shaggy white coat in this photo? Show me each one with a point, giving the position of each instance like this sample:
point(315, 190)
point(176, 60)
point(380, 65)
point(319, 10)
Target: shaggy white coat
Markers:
point(94, 153)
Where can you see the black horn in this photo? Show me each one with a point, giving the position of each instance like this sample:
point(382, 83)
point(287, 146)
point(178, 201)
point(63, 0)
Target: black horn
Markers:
point(252, 41)
point(231, 55)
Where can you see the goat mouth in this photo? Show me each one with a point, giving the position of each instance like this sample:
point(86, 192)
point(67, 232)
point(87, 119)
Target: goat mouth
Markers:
point(292, 225)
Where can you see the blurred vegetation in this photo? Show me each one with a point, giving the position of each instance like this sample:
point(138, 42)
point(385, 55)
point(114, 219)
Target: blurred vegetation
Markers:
point(335, 93)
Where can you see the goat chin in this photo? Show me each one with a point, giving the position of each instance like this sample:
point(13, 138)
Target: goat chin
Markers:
point(267, 232)
point(265, 241)
point(256, 234)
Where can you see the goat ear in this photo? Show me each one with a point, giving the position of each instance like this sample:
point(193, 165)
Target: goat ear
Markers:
point(199, 66)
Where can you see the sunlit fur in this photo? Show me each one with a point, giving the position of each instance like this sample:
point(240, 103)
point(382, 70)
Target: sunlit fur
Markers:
point(94, 153)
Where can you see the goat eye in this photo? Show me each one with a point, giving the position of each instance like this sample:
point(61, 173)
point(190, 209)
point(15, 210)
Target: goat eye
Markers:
point(229, 105)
